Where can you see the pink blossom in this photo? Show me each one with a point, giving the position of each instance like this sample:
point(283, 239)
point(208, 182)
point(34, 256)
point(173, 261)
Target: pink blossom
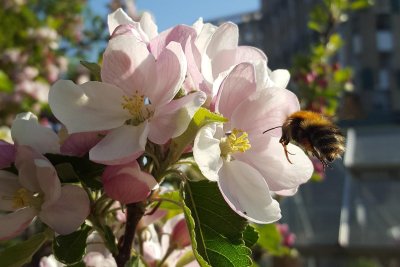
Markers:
point(246, 163)
point(37, 192)
point(134, 102)
point(128, 183)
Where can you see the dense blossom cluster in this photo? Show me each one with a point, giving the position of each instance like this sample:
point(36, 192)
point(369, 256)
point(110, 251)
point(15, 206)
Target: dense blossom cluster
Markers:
point(152, 84)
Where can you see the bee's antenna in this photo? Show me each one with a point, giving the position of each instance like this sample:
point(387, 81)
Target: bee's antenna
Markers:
point(272, 129)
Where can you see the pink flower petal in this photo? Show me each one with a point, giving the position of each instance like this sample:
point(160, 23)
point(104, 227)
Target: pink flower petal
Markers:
point(48, 181)
point(7, 154)
point(247, 193)
point(280, 78)
point(265, 109)
point(270, 160)
point(172, 120)
point(8, 187)
point(171, 67)
point(79, 144)
point(179, 34)
point(128, 64)
point(127, 183)
point(92, 106)
point(121, 145)
point(249, 54)
point(236, 87)
point(25, 163)
point(148, 25)
point(12, 224)
point(117, 18)
point(69, 212)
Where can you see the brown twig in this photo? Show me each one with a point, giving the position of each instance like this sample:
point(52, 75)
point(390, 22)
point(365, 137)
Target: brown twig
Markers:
point(135, 212)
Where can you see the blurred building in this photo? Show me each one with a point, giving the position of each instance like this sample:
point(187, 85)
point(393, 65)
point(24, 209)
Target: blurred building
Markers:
point(353, 217)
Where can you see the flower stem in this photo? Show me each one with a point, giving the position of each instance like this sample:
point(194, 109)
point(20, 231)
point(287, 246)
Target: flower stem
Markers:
point(135, 212)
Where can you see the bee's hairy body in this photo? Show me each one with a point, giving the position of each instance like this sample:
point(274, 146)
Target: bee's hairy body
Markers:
point(315, 134)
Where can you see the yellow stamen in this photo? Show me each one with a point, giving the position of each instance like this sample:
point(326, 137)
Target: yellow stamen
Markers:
point(22, 198)
point(137, 108)
point(236, 141)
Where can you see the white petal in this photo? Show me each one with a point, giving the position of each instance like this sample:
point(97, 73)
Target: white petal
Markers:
point(121, 145)
point(247, 193)
point(12, 224)
point(280, 174)
point(8, 186)
point(207, 153)
point(148, 25)
point(118, 17)
point(69, 212)
point(48, 181)
point(280, 78)
point(92, 106)
point(26, 130)
point(173, 119)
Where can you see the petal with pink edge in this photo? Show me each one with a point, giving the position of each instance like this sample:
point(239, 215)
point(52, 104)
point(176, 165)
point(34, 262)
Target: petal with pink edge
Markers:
point(171, 67)
point(26, 130)
point(121, 145)
point(271, 162)
point(127, 183)
point(172, 120)
point(92, 106)
point(69, 212)
point(247, 193)
point(7, 154)
point(48, 181)
point(237, 86)
point(128, 64)
point(12, 224)
point(78, 144)
point(179, 34)
point(8, 186)
point(117, 18)
point(265, 109)
point(206, 151)
point(25, 163)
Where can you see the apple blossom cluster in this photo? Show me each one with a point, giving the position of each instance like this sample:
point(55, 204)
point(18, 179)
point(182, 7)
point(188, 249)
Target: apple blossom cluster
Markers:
point(166, 105)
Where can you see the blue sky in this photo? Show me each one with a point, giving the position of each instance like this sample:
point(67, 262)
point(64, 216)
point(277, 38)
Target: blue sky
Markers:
point(171, 12)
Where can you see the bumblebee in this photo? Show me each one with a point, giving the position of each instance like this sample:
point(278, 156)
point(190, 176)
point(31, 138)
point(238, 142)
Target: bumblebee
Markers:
point(315, 134)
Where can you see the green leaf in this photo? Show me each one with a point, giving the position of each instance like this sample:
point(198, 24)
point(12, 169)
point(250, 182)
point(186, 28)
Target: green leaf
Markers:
point(70, 249)
point(6, 85)
point(250, 236)
point(202, 117)
point(271, 240)
point(215, 229)
point(94, 69)
point(22, 252)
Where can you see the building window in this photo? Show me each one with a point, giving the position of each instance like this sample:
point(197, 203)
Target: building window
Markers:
point(395, 4)
point(367, 79)
point(383, 22)
point(384, 41)
point(357, 44)
point(383, 80)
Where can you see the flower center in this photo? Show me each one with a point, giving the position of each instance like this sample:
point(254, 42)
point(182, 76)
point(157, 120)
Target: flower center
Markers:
point(137, 107)
point(236, 141)
point(25, 198)
point(22, 198)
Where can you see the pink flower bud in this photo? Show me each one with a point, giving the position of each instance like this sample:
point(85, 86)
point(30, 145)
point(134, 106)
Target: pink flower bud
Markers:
point(180, 234)
point(127, 183)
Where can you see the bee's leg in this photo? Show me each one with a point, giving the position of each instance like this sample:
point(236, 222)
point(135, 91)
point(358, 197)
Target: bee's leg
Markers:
point(286, 152)
point(323, 160)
